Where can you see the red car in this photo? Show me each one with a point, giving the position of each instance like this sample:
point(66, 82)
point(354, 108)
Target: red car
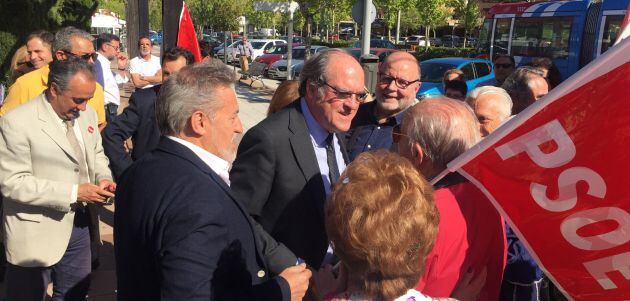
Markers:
point(275, 53)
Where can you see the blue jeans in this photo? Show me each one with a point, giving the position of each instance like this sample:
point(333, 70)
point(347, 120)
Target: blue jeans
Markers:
point(70, 276)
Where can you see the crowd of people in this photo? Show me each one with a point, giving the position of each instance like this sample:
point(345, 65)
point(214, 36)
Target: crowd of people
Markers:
point(327, 198)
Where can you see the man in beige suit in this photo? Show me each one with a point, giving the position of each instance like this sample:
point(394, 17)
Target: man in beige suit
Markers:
point(50, 159)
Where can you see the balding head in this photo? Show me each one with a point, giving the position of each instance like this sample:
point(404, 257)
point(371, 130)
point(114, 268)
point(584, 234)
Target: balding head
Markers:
point(437, 131)
point(492, 105)
point(392, 97)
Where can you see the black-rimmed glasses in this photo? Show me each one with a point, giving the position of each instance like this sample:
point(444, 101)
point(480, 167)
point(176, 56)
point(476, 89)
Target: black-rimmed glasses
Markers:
point(384, 79)
point(85, 57)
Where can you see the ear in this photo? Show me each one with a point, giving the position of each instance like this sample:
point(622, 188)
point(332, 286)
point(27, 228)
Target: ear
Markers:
point(418, 87)
point(60, 55)
point(54, 90)
point(418, 153)
point(199, 123)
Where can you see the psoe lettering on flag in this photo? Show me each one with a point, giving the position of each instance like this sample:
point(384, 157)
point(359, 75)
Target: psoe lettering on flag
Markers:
point(559, 173)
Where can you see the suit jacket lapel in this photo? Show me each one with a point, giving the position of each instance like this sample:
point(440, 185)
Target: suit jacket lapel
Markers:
point(301, 143)
point(87, 142)
point(49, 125)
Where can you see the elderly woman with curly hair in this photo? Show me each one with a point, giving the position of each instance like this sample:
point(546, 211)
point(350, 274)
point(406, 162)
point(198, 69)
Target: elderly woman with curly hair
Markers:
point(382, 222)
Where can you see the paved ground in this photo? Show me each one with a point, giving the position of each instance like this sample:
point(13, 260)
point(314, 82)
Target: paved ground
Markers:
point(253, 103)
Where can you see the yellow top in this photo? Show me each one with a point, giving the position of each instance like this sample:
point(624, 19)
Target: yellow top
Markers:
point(30, 85)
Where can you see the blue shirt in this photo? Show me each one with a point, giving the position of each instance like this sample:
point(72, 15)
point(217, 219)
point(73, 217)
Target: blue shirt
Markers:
point(318, 138)
point(367, 134)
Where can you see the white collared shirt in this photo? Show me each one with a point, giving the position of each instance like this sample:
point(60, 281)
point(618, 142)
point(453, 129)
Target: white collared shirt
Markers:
point(77, 133)
point(143, 67)
point(218, 165)
point(112, 93)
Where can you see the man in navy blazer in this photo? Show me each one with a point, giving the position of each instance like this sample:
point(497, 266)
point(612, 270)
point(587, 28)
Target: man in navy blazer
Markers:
point(137, 121)
point(180, 234)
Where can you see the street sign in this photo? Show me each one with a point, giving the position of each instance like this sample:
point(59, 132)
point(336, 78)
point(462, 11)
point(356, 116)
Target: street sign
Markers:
point(282, 7)
point(357, 12)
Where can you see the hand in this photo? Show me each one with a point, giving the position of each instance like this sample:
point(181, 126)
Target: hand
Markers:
point(325, 282)
point(297, 277)
point(107, 185)
point(91, 193)
point(123, 61)
point(468, 288)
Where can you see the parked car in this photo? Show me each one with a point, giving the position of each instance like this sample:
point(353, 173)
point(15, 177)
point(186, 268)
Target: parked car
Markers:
point(278, 70)
point(272, 55)
point(155, 37)
point(230, 50)
point(432, 72)
point(435, 41)
point(262, 45)
point(382, 53)
point(416, 40)
point(376, 43)
point(452, 41)
point(296, 40)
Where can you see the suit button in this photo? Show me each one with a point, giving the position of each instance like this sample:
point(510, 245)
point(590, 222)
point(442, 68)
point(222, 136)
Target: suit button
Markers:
point(76, 170)
point(261, 274)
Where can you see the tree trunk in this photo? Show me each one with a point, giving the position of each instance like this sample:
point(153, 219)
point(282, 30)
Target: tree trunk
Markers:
point(309, 29)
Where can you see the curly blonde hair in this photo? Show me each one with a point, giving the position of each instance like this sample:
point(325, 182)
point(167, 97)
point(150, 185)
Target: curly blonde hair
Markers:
point(382, 222)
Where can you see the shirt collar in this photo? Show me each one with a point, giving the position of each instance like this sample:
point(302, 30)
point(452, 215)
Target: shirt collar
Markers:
point(105, 63)
point(317, 131)
point(218, 165)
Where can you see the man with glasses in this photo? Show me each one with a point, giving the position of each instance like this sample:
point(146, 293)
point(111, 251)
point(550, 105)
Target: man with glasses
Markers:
point(398, 83)
point(69, 42)
point(504, 65)
point(108, 50)
point(286, 165)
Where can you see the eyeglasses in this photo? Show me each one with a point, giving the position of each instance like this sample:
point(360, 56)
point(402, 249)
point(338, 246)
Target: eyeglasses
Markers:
point(397, 134)
point(400, 83)
point(115, 47)
point(503, 66)
point(343, 95)
point(85, 57)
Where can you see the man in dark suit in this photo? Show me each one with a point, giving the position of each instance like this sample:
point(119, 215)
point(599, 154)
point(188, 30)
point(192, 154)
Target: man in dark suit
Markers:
point(286, 164)
point(137, 121)
point(180, 234)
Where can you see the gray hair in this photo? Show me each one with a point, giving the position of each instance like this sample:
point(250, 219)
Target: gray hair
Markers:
point(192, 89)
point(504, 100)
point(64, 36)
point(517, 84)
point(61, 72)
point(315, 69)
point(443, 127)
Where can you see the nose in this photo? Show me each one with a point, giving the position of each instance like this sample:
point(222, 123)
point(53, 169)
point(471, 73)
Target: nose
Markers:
point(239, 126)
point(82, 106)
point(392, 85)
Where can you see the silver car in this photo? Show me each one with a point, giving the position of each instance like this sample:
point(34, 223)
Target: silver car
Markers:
point(278, 70)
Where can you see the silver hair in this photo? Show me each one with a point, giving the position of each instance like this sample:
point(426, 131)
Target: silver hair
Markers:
point(315, 70)
point(61, 72)
point(63, 38)
point(192, 89)
point(504, 100)
point(443, 127)
point(517, 84)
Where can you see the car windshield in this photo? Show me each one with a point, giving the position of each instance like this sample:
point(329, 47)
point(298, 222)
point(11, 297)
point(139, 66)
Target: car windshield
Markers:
point(277, 49)
point(258, 45)
point(433, 72)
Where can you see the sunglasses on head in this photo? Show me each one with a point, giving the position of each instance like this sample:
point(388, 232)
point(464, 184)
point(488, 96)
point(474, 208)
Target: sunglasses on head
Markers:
point(85, 57)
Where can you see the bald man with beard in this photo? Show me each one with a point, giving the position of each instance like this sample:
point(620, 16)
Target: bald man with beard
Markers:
point(396, 88)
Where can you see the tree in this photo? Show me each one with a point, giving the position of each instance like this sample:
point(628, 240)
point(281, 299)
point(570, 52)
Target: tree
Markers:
point(155, 14)
point(200, 12)
point(469, 15)
point(431, 13)
point(390, 10)
point(115, 6)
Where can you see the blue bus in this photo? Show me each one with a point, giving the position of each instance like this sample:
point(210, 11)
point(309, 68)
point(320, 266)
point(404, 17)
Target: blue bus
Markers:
point(571, 33)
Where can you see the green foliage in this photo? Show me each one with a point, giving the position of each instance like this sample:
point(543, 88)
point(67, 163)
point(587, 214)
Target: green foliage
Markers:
point(437, 52)
point(115, 6)
point(18, 18)
point(155, 14)
point(468, 13)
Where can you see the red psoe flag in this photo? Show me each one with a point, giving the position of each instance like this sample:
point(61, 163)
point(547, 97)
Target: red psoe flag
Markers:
point(186, 36)
point(557, 173)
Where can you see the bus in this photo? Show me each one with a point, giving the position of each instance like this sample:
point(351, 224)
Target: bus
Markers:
point(571, 33)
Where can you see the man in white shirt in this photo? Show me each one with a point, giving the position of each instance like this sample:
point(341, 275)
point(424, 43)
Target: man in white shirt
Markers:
point(145, 69)
point(109, 49)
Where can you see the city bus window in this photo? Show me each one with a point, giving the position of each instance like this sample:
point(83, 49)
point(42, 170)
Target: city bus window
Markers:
point(483, 43)
point(501, 36)
point(536, 37)
point(611, 31)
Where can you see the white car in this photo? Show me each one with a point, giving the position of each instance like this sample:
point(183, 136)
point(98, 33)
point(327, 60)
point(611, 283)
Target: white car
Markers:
point(416, 40)
point(231, 50)
point(262, 45)
point(278, 69)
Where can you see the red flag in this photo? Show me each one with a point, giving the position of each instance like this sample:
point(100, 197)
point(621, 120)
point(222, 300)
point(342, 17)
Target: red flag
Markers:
point(186, 36)
point(557, 173)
